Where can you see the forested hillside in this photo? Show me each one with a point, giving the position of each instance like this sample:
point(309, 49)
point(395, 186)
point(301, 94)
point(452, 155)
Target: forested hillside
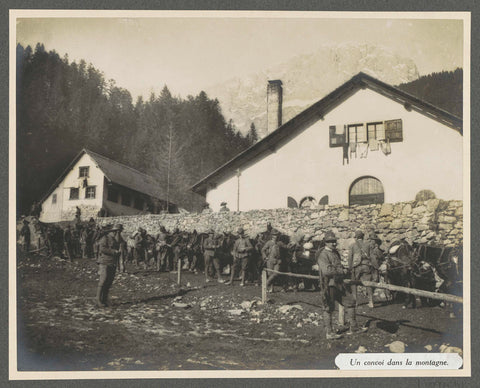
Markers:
point(444, 90)
point(65, 106)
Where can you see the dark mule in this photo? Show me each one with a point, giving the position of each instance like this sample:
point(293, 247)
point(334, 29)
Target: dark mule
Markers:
point(400, 265)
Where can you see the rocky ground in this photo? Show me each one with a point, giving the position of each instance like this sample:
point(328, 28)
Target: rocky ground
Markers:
point(154, 324)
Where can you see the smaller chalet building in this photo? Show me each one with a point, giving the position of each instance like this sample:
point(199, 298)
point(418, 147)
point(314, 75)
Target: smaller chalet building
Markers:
point(95, 183)
point(364, 143)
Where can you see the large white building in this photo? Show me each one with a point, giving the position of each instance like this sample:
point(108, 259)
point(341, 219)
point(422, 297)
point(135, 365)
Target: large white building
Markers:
point(93, 182)
point(365, 142)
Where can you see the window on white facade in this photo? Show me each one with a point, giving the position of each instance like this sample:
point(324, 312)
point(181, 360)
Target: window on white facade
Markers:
point(337, 135)
point(54, 198)
point(90, 192)
point(394, 130)
point(74, 192)
point(376, 131)
point(357, 133)
point(83, 172)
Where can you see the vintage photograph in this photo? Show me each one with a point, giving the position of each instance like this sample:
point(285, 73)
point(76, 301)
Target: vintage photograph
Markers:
point(241, 194)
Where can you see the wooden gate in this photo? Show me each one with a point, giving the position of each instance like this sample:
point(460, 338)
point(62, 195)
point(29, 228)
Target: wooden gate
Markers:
point(366, 190)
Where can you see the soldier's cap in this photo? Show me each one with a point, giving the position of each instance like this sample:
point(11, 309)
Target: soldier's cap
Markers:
point(25, 222)
point(117, 227)
point(223, 204)
point(241, 231)
point(275, 232)
point(359, 234)
point(372, 236)
point(329, 237)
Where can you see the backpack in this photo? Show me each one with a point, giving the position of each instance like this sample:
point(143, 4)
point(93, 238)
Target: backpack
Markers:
point(358, 257)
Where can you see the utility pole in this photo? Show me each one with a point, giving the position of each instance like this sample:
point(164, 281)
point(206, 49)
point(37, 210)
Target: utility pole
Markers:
point(238, 189)
point(169, 164)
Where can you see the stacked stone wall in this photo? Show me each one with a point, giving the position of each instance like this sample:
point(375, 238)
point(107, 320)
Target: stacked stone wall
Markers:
point(433, 221)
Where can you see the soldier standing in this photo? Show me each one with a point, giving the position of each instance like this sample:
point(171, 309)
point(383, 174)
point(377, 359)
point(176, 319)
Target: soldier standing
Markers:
point(332, 288)
point(162, 250)
point(25, 233)
point(272, 255)
point(122, 258)
point(210, 246)
point(360, 264)
point(107, 263)
point(139, 251)
point(68, 242)
point(242, 250)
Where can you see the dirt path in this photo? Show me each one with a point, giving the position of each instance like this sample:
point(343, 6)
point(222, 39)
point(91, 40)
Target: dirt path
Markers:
point(153, 324)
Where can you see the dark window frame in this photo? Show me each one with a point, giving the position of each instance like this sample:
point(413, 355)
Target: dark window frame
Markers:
point(126, 195)
point(356, 127)
point(54, 198)
point(94, 192)
point(81, 171)
point(113, 194)
point(76, 196)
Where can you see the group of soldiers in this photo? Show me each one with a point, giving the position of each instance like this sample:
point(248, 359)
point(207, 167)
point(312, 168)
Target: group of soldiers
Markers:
point(227, 254)
point(364, 257)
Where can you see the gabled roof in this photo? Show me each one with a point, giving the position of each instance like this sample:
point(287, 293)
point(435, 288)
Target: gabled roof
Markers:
point(116, 172)
point(319, 110)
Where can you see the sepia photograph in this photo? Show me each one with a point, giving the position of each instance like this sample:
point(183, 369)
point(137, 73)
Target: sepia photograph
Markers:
point(239, 194)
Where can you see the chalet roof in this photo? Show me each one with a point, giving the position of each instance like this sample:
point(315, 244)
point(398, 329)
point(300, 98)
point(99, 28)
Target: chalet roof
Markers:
point(118, 173)
point(319, 110)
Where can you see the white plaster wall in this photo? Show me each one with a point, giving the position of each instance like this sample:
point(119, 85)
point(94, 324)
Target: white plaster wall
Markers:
point(52, 213)
point(430, 157)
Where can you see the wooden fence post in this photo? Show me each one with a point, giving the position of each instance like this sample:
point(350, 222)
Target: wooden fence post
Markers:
point(341, 315)
point(179, 271)
point(264, 286)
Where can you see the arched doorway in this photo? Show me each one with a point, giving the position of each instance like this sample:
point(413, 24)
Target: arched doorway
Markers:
point(365, 191)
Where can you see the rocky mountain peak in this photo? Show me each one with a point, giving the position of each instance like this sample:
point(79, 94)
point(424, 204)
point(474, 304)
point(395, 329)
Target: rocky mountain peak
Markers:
point(306, 79)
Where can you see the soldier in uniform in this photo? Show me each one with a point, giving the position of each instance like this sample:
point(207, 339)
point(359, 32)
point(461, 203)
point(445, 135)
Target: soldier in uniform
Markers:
point(332, 288)
point(25, 233)
point(194, 250)
point(224, 207)
point(162, 250)
point(68, 242)
point(122, 257)
point(210, 247)
point(139, 250)
point(272, 256)
point(242, 250)
point(107, 263)
point(361, 265)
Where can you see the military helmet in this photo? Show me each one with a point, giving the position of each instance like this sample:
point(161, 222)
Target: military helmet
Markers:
point(359, 234)
point(330, 237)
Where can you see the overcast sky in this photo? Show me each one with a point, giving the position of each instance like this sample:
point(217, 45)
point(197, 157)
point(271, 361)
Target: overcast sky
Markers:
point(188, 54)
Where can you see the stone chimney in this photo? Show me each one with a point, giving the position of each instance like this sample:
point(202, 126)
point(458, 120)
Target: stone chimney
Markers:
point(274, 105)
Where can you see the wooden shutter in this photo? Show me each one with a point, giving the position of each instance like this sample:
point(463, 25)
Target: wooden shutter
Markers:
point(291, 203)
point(394, 130)
point(337, 135)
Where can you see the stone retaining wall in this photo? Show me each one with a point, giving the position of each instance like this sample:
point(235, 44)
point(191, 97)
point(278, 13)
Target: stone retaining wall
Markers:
point(434, 221)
